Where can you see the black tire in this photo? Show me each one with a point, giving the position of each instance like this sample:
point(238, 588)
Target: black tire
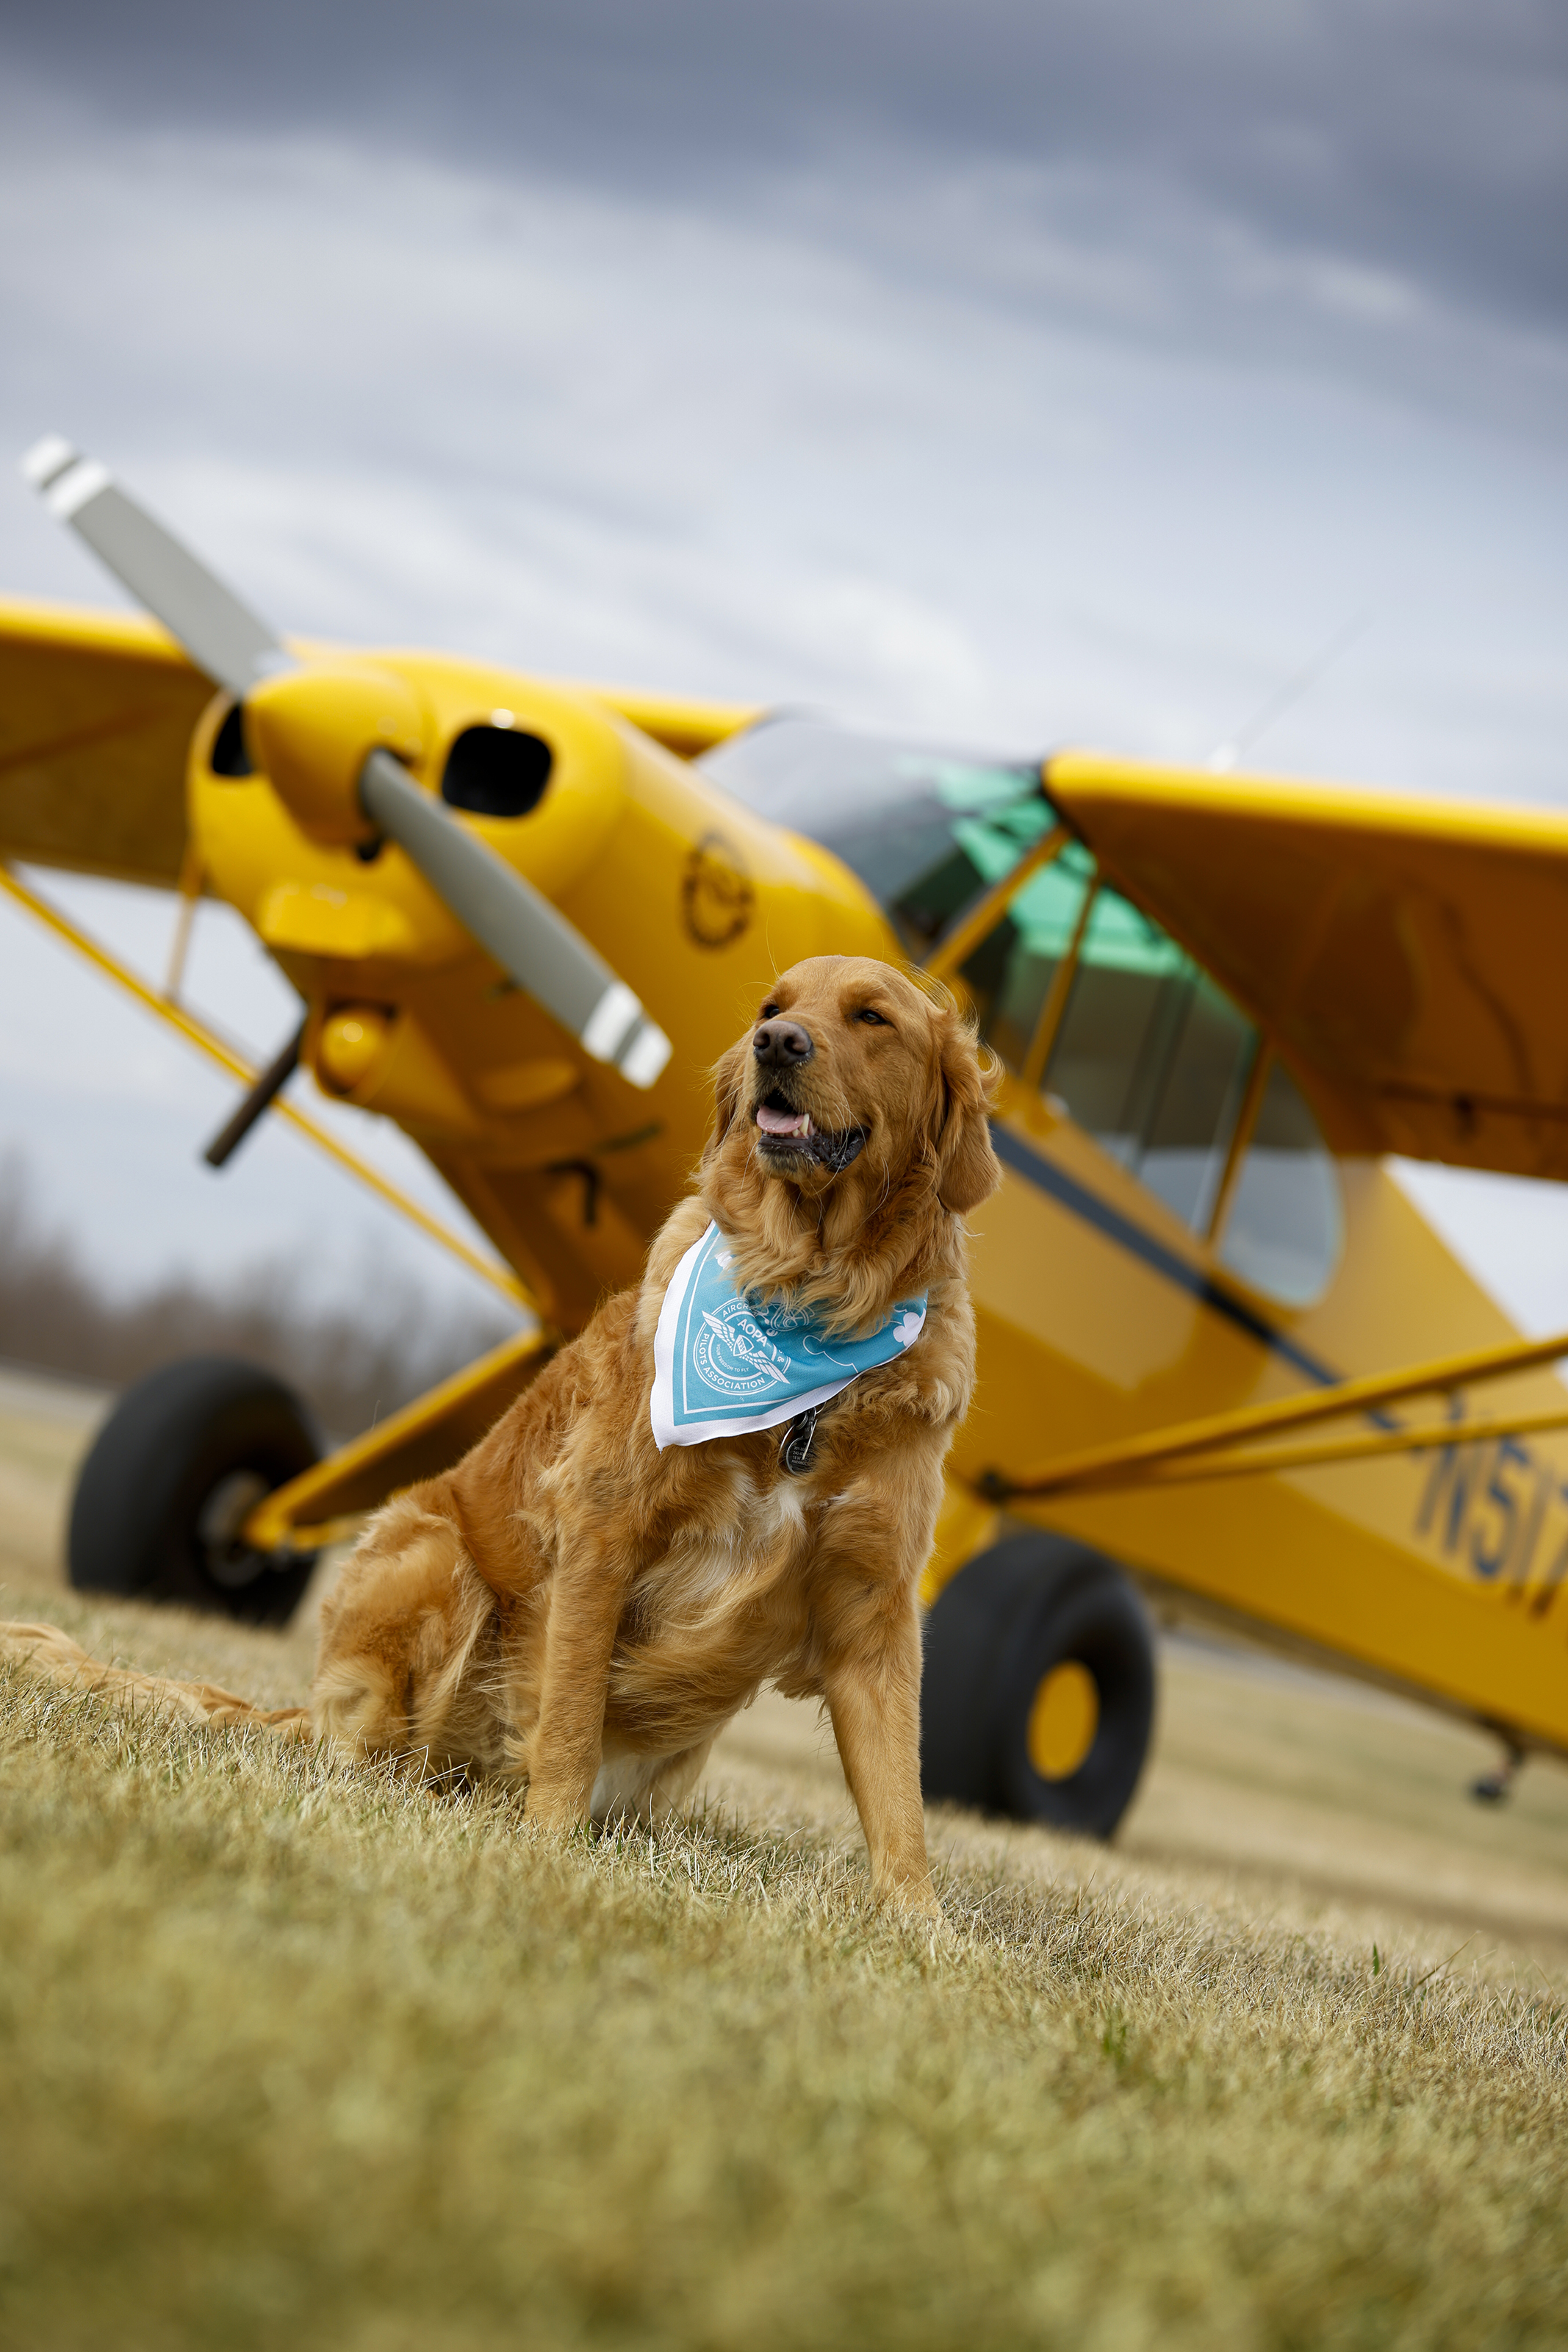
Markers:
point(181, 1459)
point(1006, 1621)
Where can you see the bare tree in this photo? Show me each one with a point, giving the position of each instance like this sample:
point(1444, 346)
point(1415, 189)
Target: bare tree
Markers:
point(352, 1364)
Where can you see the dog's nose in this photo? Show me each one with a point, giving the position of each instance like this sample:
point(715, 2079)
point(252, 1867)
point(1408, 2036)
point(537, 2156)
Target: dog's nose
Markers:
point(782, 1044)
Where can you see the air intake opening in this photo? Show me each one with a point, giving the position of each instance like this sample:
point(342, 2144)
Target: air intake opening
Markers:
point(229, 756)
point(497, 771)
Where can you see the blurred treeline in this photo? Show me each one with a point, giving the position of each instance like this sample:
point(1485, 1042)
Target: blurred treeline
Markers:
point(352, 1363)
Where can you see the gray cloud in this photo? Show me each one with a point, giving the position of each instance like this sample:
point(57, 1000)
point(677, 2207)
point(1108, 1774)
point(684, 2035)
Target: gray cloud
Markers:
point(947, 447)
point(1403, 149)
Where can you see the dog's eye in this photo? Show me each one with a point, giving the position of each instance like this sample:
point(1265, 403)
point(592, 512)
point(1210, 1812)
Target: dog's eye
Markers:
point(767, 1011)
point(877, 1019)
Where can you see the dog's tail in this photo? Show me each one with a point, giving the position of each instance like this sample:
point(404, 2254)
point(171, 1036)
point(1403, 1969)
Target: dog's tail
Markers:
point(54, 1655)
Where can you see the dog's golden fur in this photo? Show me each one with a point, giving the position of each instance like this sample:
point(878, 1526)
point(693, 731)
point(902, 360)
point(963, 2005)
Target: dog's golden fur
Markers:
point(573, 1609)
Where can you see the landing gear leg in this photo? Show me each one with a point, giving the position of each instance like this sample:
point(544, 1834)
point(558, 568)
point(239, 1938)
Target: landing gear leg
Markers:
point(1495, 1787)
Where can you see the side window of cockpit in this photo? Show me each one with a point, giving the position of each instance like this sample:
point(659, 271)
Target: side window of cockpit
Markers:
point(1009, 975)
point(1189, 1133)
point(1285, 1226)
point(1151, 1059)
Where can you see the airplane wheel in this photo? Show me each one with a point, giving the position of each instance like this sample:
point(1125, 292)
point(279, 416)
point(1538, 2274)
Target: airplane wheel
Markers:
point(1038, 1695)
point(171, 1475)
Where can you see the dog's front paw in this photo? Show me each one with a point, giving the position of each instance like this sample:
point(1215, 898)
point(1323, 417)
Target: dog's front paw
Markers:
point(555, 1809)
point(912, 1898)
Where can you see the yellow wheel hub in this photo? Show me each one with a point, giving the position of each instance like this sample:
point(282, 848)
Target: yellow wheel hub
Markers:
point(1063, 1720)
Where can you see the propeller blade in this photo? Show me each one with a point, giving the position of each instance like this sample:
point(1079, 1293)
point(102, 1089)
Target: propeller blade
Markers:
point(223, 636)
point(525, 933)
point(516, 923)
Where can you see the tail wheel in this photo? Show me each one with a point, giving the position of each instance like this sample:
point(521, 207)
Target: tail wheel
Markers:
point(170, 1479)
point(1037, 1698)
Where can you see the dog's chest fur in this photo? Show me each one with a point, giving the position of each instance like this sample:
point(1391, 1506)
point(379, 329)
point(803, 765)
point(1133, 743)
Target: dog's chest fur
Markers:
point(726, 1602)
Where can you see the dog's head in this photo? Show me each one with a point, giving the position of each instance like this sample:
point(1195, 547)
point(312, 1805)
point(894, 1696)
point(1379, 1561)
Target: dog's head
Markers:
point(852, 1115)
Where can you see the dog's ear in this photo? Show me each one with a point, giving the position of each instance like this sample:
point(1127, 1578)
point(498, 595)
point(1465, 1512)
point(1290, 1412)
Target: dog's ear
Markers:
point(967, 1169)
point(727, 1073)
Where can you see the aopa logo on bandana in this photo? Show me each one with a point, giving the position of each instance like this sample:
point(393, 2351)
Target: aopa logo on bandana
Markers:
point(724, 1363)
point(733, 1355)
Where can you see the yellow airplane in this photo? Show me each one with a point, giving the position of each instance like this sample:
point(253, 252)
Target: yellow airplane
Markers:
point(1222, 1357)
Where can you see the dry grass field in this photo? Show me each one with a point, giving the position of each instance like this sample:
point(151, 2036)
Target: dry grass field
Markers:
point(296, 2054)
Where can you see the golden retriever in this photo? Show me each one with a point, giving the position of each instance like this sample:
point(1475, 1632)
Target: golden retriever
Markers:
point(571, 1607)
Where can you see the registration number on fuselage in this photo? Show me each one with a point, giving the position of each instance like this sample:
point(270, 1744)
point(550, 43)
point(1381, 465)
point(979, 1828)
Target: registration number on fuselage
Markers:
point(1497, 1511)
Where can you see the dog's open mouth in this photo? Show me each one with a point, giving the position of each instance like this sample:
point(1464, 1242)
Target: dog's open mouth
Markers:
point(782, 1131)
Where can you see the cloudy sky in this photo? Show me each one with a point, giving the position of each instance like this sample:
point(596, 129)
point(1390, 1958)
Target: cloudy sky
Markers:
point(1000, 370)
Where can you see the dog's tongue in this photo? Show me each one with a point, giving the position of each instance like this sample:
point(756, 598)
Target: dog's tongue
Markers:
point(783, 1122)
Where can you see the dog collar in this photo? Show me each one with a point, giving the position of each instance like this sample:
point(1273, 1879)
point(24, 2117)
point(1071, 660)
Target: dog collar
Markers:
point(725, 1363)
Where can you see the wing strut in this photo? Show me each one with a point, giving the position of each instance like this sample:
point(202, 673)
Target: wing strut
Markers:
point(1208, 1448)
point(205, 1040)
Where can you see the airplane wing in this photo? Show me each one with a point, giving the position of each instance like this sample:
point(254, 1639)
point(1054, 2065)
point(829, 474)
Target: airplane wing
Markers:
point(95, 715)
point(1410, 955)
point(681, 725)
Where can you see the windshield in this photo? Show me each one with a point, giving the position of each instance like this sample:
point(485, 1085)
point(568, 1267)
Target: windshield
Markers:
point(925, 831)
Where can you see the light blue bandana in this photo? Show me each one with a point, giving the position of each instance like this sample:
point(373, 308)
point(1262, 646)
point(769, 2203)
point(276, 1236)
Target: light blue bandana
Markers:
point(724, 1364)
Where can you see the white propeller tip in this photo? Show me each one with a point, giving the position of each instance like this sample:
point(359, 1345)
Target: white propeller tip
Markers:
point(69, 492)
point(618, 1031)
point(610, 1027)
point(47, 460)
point(646, 1055)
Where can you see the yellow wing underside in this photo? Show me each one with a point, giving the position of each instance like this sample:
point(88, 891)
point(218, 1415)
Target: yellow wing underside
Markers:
point(95, 715)
point(1410, 955)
